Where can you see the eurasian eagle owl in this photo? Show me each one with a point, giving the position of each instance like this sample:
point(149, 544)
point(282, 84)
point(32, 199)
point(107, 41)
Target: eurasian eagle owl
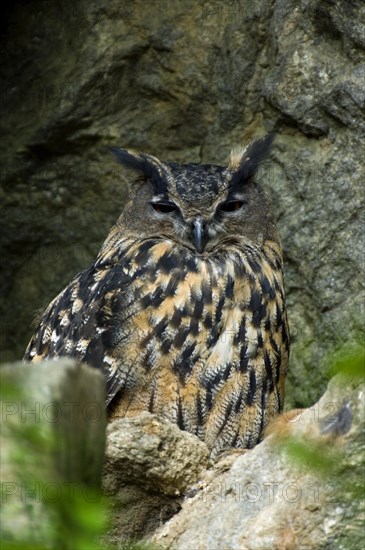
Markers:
point(184, 307)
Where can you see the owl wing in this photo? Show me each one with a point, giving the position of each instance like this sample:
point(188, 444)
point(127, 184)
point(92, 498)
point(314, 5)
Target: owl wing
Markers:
point(81, 321)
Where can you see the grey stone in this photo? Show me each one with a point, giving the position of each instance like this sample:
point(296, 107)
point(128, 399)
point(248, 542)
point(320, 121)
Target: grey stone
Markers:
point(149, 463)
point(135, 513)
point(154, 453)
point(296, 489)
point(52, 447)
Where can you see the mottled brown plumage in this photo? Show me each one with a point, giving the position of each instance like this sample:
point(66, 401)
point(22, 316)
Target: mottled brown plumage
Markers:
point(184, 307)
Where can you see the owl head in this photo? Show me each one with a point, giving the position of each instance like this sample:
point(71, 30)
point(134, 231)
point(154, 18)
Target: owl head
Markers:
point(200, 206)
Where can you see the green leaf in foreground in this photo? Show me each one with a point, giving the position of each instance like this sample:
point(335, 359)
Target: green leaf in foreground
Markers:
point(349, 360)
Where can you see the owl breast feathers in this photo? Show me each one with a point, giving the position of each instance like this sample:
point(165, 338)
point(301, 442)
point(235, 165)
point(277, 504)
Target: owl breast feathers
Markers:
point(184, 307)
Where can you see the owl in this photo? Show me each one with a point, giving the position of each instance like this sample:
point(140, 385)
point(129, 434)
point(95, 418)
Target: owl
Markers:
point(184, 307)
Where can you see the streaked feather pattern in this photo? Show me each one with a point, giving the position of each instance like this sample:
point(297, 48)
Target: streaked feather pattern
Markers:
point(200, 339)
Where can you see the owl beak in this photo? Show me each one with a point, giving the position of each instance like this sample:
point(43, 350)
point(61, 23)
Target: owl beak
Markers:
point(199, 234)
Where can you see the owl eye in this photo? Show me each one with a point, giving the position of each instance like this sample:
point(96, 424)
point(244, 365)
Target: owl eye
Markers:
point(164, 207)
point(231, 206)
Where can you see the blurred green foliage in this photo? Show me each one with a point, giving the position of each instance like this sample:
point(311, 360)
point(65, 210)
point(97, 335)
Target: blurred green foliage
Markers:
point(349, 360)
point(52, 512)
point(329, 457)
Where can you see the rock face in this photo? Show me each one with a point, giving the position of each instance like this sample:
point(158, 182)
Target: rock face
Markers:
point(52, 450)
point(186, 81)
point(300, 488)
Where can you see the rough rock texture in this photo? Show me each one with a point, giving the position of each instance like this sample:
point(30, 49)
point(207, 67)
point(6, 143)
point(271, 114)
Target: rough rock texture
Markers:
point(300, 488)
point(135, 513)
point(185, 80)
point(148, 463)
point(154, 453)
point(52, 448)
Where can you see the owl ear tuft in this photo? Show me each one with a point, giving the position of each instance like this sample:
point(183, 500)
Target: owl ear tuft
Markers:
point(245, 162)
point(141, 162)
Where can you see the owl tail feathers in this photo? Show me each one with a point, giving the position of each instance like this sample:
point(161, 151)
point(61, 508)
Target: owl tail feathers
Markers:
point(245, 162)
point(148, 165)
